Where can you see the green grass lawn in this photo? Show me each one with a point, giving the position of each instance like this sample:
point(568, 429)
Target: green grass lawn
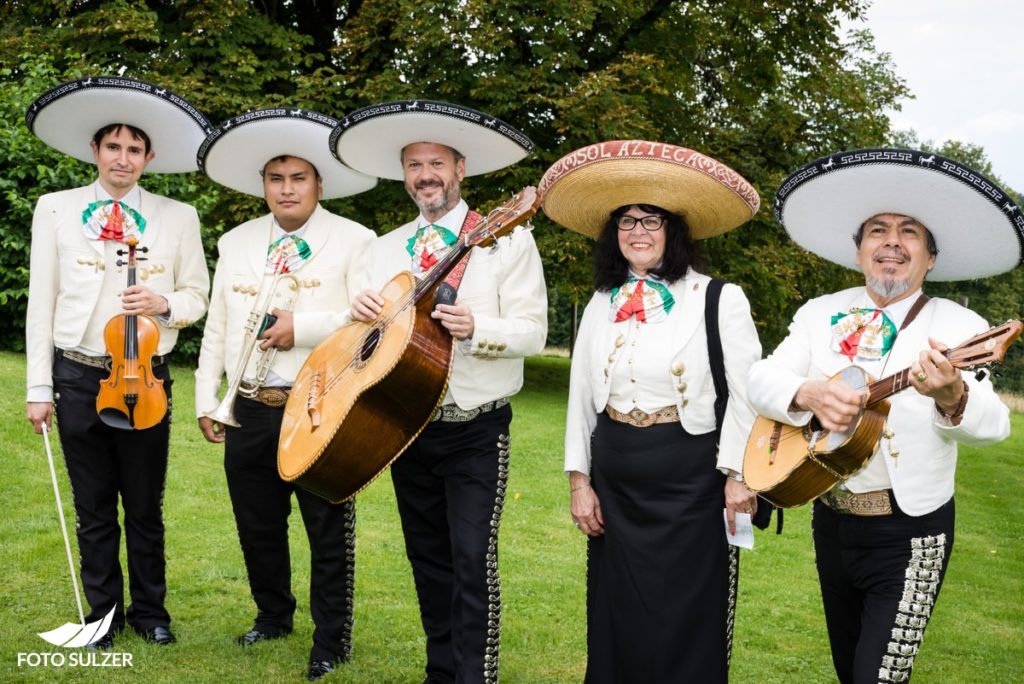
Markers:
point(977, 634)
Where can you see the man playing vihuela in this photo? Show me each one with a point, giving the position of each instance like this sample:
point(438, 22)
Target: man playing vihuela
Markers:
point(450, 483)
point(77, 284)
point(294, 264)
point(883, 538)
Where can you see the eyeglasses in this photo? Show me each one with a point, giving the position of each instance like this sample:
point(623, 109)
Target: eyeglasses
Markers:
point(650, 223)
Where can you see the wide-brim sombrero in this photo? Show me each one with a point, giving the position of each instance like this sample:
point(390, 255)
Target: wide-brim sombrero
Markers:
point(371, 139)
point(583, 188)
point(977, 227)
point(67, 117)
point(235, 153)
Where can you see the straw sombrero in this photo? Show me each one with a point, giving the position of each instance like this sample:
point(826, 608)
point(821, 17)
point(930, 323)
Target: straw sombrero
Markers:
point(371, 139)
point(583, 188)
point(235, 153)
point(67, 117)
point(977, 227)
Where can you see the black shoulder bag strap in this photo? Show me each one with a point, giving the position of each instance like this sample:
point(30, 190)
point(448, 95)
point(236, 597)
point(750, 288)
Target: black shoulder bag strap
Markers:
point(716, 358)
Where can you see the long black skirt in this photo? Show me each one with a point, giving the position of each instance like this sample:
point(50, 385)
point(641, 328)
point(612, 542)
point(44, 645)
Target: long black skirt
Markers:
point(661, 581)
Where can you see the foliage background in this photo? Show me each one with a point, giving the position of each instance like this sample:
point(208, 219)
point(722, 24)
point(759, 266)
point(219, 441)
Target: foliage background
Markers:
point(765, 86)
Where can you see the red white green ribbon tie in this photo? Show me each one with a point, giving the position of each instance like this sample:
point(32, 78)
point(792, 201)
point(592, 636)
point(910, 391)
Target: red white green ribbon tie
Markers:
point(865, 333)
point(426, 244)
point(112, 220)
point(648, 300)
point(287, 254)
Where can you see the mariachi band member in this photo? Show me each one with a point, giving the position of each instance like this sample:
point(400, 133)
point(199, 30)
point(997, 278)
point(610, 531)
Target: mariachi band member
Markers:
point(650, 468)
point(294, 263)
point(76, 285)
point(883, 538)
point(450, 482)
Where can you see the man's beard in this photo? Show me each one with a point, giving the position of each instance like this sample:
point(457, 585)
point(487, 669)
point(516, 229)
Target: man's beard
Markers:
point(449, 196)
point(887, 288)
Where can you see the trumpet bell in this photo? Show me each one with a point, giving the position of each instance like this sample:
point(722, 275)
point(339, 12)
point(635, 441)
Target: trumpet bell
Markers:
point(224, 414)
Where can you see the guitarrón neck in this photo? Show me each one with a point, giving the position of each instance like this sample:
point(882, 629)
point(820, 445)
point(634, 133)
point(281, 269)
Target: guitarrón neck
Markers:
point(886, 387)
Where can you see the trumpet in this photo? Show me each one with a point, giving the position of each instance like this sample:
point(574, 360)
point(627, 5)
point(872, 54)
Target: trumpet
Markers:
point(254, 327)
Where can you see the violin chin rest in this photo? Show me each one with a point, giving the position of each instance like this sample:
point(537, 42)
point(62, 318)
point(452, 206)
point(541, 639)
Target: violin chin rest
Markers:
point(115, 419)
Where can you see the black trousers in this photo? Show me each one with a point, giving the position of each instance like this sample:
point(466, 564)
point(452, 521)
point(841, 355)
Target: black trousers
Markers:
point(261, 501)
point(104, 464)
point(880, 577)
point(450, 487)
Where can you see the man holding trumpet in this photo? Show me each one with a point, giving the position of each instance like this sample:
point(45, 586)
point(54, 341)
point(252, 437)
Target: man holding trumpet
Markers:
point(280, 284)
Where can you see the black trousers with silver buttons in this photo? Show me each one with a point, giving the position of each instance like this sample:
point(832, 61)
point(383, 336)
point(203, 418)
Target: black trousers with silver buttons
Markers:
point(450, 487)
point(880, 577)
point(105, 464)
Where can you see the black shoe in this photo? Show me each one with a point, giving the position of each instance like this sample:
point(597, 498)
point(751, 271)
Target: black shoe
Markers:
point(318, 668)
point(160, 635)
point(104, 643)
point(256, 635)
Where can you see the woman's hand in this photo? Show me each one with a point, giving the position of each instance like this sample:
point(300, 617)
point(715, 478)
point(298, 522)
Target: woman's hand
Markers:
point(585, 506)
point(738, 499)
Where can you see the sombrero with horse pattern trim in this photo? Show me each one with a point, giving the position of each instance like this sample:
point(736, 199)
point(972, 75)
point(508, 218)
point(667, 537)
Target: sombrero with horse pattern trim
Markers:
point(235, 153)
point(67, 117)
point(371, 139)
point(977, 227)
point(583, 188)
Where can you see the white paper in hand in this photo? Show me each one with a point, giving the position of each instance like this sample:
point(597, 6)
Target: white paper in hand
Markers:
point(744, 536)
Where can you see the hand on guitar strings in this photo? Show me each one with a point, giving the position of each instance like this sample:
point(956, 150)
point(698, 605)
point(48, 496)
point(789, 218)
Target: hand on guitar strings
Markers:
point(367, 306)
point(934, 376)
point(457, 318)
point(281, 334)
point(835, 404)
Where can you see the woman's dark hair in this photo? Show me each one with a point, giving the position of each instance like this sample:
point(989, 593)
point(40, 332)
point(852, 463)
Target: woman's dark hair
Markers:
point(611, 268)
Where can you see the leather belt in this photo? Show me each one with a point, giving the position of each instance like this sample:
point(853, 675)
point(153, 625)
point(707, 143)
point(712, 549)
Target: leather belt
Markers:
point(274, 397)
point(102, 361)
point(637, 418)
point(451, 413)
point(864, 504)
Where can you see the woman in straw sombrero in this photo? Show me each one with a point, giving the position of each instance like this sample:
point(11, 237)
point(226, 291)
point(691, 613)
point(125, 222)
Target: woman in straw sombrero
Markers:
point(648, 481)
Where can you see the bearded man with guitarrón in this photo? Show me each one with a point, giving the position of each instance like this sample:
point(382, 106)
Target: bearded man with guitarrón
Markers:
point(450, 482)
point(883, 537)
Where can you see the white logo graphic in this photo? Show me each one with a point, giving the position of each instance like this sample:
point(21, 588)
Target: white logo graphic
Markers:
point(73, 635)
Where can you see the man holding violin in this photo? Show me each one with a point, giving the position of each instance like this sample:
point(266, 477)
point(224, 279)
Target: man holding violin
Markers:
point(77, 284)
point(281, 286)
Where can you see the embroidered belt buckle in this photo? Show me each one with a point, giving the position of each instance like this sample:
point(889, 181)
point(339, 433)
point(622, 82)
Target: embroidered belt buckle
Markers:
point(274, 397)
point(637, 418)
point(865, 504)
point(451, 413)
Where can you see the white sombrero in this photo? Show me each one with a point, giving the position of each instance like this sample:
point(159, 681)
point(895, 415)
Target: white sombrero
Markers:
point(583, 188)
point(977, 227)
point(371, 139)
point(67, 117)
point(235, 153)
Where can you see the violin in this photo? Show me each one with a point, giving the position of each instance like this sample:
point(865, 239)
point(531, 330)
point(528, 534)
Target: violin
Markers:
point(131, 398)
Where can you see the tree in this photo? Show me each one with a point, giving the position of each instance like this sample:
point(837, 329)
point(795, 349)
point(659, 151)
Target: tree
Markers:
point(763, 86)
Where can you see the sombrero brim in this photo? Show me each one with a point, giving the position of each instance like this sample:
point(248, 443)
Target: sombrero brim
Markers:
point(583, 188)
point(235, 153)
point(67, 117)
point(978, 229)
point(371, 139)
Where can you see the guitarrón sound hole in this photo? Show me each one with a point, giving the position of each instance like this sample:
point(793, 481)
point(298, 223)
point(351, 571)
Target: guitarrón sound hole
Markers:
point(370, 345)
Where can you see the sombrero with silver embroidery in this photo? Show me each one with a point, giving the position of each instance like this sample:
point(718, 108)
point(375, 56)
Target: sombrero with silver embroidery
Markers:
point(977, 227)
point(67, 117)
point(583, 188)
point(371, 139)
point(235, 153)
